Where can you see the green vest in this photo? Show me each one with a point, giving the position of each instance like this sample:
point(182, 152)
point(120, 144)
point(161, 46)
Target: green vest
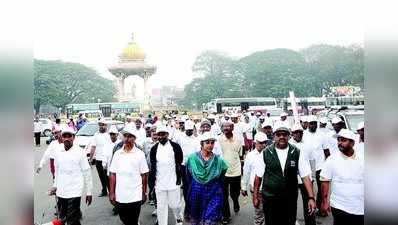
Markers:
point(275, 182)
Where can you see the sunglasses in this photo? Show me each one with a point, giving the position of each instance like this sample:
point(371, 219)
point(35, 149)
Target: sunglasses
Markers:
point(210, 142)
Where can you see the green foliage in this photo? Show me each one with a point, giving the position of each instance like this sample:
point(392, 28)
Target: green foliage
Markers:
point(273, 73)
point(60, 83)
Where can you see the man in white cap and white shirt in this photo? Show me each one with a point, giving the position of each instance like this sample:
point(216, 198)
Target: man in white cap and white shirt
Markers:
point(140, 132)
point(283, 120)
point(266, 128)
point(109, 147)
point(51, 150)
point(323, 121)
point(297, 140)
point(318, 144)
point(166, 158)
point(72, 176)
point(128, 179)
point(189, 144)
point(344, 174)
point(360, 141)
point(215, 129)
point(240, 130)
point(129, 122)
point(99, 141)
point(252, 159)
point(304, 122)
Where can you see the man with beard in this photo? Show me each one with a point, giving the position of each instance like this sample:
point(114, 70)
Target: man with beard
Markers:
point(278, 172)
point(166, 158)
point(72, 175)
point(99, 142)
point(344, 173)
point(128, 179)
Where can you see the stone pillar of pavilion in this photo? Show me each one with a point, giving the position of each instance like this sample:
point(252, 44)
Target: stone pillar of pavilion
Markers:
point(132, 63)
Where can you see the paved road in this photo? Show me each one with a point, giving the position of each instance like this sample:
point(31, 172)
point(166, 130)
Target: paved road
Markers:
point(100, 211)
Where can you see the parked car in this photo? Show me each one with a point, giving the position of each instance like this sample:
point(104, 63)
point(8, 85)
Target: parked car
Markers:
point(85, 134)
point(351, 117)
point(46, 127)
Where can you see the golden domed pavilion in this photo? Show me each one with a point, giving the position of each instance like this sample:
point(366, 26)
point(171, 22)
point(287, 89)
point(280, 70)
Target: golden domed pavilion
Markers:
point(132, 63)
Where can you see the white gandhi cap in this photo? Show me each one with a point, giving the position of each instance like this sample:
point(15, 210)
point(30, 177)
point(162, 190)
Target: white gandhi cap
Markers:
point(345, 133)
point(260, 137)
point(207, 136)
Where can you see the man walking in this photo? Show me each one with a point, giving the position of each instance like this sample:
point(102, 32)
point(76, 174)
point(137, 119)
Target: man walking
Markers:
point(231, 148)
point(128, 179)
point(345, 172)
point(252, 159)
point(100, 141)
point(278, 172)
point(72, 175)
point(166, 158)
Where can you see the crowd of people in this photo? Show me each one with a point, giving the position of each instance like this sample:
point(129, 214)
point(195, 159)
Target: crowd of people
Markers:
point(194, 166)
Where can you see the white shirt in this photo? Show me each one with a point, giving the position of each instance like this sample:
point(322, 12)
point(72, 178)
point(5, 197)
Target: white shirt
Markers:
point(141, 136)
point(239, 129)
point(317, 142)
point(69, 169)
point(188, 145)
point(248, 130)
point(346, 175)
point(215, 129)
point(100, 140)
point(252, 159)
point(108, 153)
point(305, 150)
point(36, 127)
point(304, 168)
point(166, 177)
point(50, 152)
point(128, 168)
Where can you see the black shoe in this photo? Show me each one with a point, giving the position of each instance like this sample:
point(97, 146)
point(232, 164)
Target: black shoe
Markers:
point(225, 221)
point(103, 194)
point(236, 207)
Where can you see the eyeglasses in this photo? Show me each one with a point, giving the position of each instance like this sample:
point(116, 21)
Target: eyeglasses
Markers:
point(210, 142)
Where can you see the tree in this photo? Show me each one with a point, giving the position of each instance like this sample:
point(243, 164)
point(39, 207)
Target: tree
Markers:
point(60, 83)
point(274, 73)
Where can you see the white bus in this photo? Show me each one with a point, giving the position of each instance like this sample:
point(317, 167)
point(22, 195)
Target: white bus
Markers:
point(351, 102)
point(313, 103)
point(220, 105)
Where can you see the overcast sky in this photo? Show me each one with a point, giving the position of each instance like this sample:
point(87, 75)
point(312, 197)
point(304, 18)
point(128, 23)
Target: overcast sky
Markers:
point(173, 33)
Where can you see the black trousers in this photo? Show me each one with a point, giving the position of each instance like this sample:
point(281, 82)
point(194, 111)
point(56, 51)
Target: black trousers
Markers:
point(102, 176)
point(318, 193)
point(69, 210)
point(129, 213)
point(309, 219)
point(231, 188)
point(280, 211)
point(185, 188)
point(341, 218)
point(37, 138)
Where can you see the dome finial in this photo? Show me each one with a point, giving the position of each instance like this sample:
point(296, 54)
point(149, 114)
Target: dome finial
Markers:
point(132, 36)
